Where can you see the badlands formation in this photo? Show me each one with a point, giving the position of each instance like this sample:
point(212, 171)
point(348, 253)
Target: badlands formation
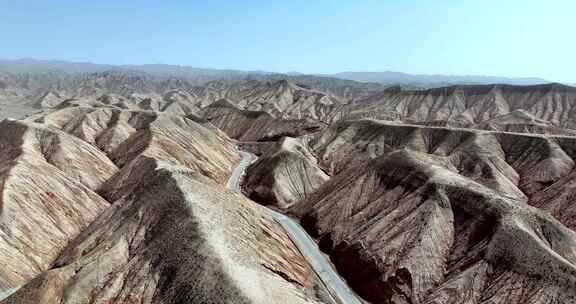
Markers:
point(103, 205)
point(114, 190)
point(434, 215)
point(471, 106)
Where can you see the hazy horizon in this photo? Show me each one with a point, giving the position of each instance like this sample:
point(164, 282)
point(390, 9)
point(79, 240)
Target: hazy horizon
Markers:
point(16, 59)
point(516, 39)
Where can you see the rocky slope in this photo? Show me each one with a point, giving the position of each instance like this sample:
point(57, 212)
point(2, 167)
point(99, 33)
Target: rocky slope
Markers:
point(48, 183)
point(407, 228)
point(107, 205)
point(286, 174)
point(176, 238)
point(418, 214)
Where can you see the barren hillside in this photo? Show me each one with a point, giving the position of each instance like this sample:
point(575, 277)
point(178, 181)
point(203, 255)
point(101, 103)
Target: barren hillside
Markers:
point(435, 215)
point(468, 106)
point(132, 209)
point(284, 175)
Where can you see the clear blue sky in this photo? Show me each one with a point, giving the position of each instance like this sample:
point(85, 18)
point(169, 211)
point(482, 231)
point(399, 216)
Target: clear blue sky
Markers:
point(490, 37)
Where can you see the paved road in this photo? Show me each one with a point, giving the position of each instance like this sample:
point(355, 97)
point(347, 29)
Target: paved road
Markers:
point(307, 246)
point(6, 293)
point(234, 180)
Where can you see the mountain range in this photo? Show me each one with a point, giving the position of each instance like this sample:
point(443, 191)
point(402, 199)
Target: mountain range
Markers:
point(167, 185)
point(202, 74)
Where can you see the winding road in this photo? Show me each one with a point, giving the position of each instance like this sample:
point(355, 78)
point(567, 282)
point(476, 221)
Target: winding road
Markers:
point(329, 277)
point(309, 249)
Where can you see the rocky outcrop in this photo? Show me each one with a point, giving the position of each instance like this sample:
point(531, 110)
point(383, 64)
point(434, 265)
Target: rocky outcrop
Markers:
point(284, 175)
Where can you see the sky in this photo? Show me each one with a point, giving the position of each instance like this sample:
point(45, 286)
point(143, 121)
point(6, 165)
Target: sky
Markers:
point(513, 38)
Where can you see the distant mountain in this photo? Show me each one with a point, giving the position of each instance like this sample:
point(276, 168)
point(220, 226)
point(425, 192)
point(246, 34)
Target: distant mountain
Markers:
point(32, 73)
point(47, 66)
point(202, 75)
point(432, 80)
point(35, 66)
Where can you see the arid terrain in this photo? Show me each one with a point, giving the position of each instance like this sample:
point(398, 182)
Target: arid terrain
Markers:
point(116, 189)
